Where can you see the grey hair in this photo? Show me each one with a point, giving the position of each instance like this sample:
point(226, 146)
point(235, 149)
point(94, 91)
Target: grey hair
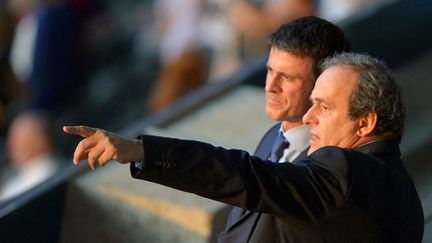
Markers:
point(376, 92)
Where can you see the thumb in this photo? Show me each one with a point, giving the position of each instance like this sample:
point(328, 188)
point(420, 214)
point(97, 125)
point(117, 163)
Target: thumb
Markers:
point(82, 131)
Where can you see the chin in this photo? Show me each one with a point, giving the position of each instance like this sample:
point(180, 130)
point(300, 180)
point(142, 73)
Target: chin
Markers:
point(273, 115)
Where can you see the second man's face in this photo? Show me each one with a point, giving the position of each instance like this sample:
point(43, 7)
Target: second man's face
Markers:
point(289, 84)
point(329, 117)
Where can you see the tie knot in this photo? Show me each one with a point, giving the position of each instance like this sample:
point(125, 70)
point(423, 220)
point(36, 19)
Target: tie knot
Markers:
point(279, 145)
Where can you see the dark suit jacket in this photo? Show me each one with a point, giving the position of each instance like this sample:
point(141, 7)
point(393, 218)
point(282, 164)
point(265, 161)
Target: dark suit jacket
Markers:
point(334, 195)
point(242, 224)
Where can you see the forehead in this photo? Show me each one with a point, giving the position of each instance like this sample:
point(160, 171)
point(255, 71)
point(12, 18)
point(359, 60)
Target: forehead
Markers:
point(335, 83)
point(289, 61)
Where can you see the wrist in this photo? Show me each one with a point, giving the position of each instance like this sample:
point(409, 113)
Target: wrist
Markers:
point(139, 150)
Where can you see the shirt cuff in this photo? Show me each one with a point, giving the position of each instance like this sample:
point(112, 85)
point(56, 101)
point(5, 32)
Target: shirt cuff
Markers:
point(137, 164)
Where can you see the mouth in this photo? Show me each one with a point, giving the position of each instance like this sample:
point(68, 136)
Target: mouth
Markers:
point(274, 103)
point(313, 137)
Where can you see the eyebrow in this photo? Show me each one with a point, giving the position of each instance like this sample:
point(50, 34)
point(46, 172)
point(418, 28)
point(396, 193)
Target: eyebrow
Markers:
point(321, 100)
point(295, 76)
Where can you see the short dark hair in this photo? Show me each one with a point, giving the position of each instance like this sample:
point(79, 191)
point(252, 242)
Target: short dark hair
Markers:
point(310, 37)
point(377, 92)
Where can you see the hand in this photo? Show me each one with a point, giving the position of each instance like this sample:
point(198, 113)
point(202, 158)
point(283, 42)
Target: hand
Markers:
point(100, 146)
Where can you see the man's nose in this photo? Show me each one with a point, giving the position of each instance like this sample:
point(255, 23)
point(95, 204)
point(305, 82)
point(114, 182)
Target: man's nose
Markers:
point(309, 117)
point(271, 83)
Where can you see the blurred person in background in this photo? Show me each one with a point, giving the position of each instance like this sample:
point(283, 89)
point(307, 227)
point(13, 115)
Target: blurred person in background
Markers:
point(10, 88)
point(256, 19)
point(182, 50)
point(32, 157)
point(47, 50)
point(338, 10)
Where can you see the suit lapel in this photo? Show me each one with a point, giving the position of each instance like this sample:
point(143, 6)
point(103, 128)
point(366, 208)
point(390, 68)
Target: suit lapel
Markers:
point(265, 145)
point(301, 156)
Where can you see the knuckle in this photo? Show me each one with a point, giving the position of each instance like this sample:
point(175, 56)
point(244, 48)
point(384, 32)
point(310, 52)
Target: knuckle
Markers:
point(83, 144)
point(92, 158)
point(93, 155)
point(106, 139)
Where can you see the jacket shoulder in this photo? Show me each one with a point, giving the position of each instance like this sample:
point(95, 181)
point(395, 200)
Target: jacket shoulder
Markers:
point(333, 159)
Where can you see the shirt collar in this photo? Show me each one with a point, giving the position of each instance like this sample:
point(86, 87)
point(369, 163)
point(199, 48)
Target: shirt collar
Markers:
point(298, 137)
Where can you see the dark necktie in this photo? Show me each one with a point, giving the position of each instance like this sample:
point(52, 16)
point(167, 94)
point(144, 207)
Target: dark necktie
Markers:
point(279, 145)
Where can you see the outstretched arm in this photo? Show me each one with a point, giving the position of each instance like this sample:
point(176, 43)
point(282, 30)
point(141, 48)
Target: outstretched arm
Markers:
point(100, 146)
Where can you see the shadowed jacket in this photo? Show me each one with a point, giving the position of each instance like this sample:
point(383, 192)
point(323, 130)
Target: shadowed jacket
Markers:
point(333, 195)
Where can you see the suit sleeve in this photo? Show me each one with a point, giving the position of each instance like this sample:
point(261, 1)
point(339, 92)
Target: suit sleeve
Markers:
point(306, 192)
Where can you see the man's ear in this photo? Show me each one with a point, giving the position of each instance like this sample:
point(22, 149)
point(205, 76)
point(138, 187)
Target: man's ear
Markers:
point(367, 124)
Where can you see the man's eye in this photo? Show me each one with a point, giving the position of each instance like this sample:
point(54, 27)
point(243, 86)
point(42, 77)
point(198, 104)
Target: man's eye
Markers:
point(287, 77)
point(323, 107)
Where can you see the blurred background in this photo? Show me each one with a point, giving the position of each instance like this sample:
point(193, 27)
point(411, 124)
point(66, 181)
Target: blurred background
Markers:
point(190, 69)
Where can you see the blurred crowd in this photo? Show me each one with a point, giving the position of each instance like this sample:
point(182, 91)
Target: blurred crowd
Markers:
point(63, 61)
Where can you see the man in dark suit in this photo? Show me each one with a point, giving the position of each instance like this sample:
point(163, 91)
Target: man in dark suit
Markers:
point(352, 186)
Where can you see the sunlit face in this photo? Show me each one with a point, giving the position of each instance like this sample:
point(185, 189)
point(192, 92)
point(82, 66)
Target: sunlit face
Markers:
point(289, 83)
point(328, 116)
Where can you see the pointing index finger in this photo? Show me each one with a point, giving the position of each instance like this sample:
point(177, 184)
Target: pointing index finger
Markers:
point(82, 131)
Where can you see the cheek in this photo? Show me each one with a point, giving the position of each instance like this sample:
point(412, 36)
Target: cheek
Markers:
point(341, 131)
point(292, 98)
point(327, 126)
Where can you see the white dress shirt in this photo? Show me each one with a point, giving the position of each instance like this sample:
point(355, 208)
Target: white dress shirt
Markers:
point(298, 138)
